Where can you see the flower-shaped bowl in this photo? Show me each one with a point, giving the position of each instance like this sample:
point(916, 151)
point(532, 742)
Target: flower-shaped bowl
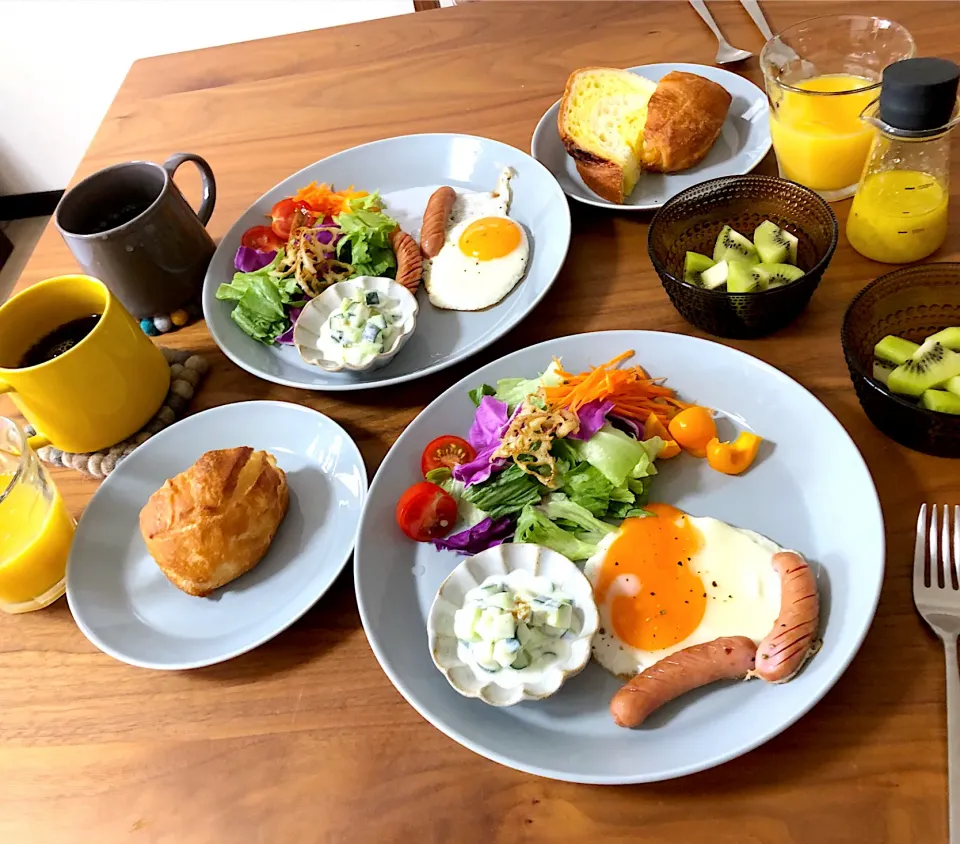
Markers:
point(510, 686)
point(306, 333)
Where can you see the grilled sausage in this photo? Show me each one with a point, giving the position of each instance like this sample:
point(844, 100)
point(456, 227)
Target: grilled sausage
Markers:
point(434, 227)
point(793, 638)
point(727, 658)
point(409, 262)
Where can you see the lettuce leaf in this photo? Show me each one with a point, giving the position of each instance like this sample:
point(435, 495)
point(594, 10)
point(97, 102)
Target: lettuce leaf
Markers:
point(587, 487)
point(467, 514)
point(535, 528)
point(366, 233)
point(617, 455)
point(514, 390)
point(262, 297)
point(508, 492)
point(557, 506)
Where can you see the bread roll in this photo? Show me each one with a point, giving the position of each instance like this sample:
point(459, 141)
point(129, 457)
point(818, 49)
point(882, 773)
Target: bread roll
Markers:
point(214, 522)
point(684, 119)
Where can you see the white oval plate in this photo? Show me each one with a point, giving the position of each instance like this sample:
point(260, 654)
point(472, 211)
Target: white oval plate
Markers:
point(742, 145)
point(796, 493)
point(125, 605)
point(406, 170)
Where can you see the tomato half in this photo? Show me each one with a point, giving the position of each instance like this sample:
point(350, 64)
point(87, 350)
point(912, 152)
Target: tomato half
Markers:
point(262, 238)
point(425, 512)
point(282, 215)
point(446, 452)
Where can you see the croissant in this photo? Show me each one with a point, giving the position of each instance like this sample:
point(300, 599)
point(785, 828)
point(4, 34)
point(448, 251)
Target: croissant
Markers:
point(215, 521)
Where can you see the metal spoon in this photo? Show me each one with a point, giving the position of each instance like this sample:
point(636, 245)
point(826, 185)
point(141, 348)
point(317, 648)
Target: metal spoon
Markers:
point(725, 53)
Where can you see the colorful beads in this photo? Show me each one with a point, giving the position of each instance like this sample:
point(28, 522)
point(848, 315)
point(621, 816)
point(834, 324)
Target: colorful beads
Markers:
point(152, 326)
point(148, 327)
point(179, 317)
point(163, 324)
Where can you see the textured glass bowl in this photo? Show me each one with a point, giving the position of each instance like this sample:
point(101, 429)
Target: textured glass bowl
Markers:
point(912, 303)
point(691, 222)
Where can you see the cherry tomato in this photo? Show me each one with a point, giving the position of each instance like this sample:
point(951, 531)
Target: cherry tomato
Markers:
point(446, 452)
point(262, 238)
point(425, 512)
point(282, 215)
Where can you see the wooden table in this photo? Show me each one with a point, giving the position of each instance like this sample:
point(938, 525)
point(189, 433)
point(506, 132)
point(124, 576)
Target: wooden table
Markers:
point(305, 739)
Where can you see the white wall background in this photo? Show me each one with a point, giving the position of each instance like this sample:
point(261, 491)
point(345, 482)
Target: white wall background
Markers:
point(62, 61)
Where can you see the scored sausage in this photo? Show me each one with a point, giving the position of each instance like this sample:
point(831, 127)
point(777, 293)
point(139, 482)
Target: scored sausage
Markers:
point(434, 227)
point(727, 658)
point(793, 637)
point(409, 262)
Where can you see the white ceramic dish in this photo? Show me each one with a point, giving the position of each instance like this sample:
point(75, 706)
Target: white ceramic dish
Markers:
point(501, 560)
point(742, 145)
point(306, 333)
point(125, 605)
point(406, 171)
point(808, 472)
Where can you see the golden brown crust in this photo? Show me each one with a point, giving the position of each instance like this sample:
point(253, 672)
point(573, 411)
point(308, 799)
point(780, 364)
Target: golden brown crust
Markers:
point(215, 521)
point(409, 261)
point(684, 119)
point(604, 178)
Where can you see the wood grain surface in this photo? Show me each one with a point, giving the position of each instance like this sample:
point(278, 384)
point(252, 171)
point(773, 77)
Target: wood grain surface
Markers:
point(305, 739)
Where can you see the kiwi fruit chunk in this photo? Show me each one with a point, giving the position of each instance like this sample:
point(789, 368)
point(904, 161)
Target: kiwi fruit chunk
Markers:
point(733, 246)
point(741, 278)
point(953, 385)
point(940, 401)
point(780, 274)
point(930, 366)
point(715, 277)
point(894, 350)
point(882, 370)
point(775, 245)
point(693, 265)
point(949, 337)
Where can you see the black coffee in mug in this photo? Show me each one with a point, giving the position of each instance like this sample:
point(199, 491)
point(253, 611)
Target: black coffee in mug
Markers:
point(59, 341)
point(129, 226)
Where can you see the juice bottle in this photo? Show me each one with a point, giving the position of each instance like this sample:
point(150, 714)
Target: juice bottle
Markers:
point(35, 529)
point(899, 213)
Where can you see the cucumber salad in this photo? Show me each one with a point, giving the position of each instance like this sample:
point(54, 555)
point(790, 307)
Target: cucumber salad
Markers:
point(515, 621)
point(363, 327)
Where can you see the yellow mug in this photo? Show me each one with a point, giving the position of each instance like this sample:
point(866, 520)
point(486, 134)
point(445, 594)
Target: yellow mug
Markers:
point(96, 394)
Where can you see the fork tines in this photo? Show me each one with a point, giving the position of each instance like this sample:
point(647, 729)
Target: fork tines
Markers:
point(934, 546)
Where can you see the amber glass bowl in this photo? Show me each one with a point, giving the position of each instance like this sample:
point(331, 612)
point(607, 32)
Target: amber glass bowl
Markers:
point(691, 221)
point(912, 303)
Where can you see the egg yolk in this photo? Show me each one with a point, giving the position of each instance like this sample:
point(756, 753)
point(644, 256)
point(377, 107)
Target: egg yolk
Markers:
point(693, 428)
point(489, 237)
point(654, 552)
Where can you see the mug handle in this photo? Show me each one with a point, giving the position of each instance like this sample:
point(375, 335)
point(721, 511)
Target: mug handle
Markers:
point(37, 440)
point(209, 198)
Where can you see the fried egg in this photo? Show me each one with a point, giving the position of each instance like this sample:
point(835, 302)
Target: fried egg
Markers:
point(484, 252)
point(670, 581)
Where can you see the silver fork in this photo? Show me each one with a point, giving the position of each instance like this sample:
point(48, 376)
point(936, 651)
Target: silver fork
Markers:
point(725, 53)
point(940, 608)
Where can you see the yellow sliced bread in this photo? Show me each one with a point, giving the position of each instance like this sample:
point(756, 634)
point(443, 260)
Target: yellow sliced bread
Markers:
point(601, 120)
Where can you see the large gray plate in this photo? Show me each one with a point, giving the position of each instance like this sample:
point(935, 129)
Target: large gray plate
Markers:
point(742, 145)
point(809, 490)
point(406, 171)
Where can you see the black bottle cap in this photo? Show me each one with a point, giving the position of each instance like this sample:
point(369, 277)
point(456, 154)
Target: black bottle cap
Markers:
point(919, 94)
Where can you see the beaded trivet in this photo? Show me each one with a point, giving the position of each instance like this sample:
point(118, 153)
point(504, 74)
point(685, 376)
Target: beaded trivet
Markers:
point(186, 372)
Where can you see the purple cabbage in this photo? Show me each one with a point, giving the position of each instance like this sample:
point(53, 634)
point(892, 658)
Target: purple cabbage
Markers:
point(249, 260)
point(628, 426)
point(592, 417)
point(480, 537)
point(286, 339)
point(489, 424)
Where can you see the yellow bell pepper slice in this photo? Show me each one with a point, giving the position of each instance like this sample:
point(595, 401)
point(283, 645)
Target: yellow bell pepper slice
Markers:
point(733, 458)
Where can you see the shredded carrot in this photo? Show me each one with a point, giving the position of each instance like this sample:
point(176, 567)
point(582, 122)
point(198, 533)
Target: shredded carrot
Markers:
point(325, 200)
point(633, 393)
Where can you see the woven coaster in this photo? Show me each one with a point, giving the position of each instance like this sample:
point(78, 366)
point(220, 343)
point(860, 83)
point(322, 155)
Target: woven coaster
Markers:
point(187, 370)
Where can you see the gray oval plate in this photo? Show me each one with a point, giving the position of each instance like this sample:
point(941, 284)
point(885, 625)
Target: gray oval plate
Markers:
point(406, 170)
point(742, 145)
point(796, 493)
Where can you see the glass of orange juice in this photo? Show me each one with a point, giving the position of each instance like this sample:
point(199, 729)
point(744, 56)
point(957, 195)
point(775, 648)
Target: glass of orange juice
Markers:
point(820, 74)
point(35, 528)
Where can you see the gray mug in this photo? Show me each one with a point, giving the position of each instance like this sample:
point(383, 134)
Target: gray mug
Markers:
point(130, 226)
